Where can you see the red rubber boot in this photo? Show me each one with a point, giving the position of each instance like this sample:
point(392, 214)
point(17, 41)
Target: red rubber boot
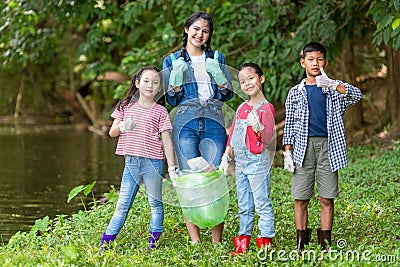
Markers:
point(263, 242)
point(241, 244)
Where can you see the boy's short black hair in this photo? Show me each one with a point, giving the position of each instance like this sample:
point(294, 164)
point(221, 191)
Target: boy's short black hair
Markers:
point(313, 47)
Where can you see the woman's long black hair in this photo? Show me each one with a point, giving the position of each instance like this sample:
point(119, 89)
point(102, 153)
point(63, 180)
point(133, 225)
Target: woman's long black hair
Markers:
point(195, 16)
point(132, 95)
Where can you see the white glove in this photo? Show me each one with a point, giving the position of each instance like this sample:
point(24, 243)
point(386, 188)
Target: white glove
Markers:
point(254, 121)
point(324, 81)
point(212, 67)
point(172, 174)
point(289, 165)
point(224, 163)
point(127, 125)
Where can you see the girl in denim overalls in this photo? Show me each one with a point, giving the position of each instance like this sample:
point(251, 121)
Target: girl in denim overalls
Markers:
point(251, 132)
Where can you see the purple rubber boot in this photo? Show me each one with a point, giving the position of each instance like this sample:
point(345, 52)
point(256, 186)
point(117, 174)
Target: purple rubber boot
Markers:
point(107, 239)
point(154, 237)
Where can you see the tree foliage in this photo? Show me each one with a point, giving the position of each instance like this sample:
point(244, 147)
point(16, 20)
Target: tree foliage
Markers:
point(91, 37)
point(386, 16)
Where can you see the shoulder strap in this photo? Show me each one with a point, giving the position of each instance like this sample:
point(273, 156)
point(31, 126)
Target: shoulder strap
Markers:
point(239, 108)
point(260, 104)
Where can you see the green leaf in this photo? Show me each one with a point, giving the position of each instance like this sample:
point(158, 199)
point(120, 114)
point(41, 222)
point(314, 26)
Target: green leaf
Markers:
point(70, 251)
point(396, 43)
point(75, 192)
point(40, 225)
point(378, 38)
point(32, 30)
point(89, 188)
point(396, 33)
point(396, 5)
point(112, 195)
point(396, 23)
point(386, 35)
point(386, 21)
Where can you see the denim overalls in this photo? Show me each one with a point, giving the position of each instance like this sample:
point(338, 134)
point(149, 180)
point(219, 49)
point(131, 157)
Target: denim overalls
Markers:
point(252, 182)
point(198, 127)
point(198, 130)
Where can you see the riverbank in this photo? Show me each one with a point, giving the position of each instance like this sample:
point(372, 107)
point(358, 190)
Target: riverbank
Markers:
point(41, 162)
point(365, 232)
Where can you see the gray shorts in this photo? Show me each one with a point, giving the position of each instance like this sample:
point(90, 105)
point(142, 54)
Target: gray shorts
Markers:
point(315, 167)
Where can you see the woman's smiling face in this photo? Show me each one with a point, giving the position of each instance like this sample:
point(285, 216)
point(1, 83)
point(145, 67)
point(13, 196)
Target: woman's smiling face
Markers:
point(198, 33)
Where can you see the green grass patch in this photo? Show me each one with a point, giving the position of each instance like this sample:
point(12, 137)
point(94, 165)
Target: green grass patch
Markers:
point(366, 228)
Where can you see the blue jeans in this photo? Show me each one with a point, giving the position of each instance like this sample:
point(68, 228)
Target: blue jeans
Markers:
point(253, 192)
point(199, 137)
point(138, 169)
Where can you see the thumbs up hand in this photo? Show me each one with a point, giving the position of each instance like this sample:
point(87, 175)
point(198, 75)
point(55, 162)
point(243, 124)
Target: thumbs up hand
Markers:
point(212, 67)
point(254, 121)
point(179, 66)
point(324, 81)
point(127, 125)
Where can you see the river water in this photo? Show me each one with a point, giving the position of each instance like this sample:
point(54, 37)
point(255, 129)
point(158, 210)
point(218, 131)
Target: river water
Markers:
point(40, 164)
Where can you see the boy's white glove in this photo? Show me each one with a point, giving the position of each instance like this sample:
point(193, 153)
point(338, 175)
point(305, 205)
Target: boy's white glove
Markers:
point(289, 165)
point(324, 81)
point(127, 125)
point(224, 163)
point(254, 121)
point(172, 174)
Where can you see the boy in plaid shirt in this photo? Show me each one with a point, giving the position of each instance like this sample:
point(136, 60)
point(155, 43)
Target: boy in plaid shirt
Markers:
point(314, 140)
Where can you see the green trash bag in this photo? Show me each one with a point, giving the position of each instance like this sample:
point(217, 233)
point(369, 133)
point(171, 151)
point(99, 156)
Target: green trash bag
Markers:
point(203, 197)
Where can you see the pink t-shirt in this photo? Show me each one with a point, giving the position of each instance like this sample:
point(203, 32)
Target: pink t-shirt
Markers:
point(145, 139)
point(256, 142)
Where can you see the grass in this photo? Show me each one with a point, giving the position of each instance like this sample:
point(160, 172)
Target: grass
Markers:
point(366, 228)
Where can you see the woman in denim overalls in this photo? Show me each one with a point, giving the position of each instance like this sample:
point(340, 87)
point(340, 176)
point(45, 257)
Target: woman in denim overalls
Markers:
point(251, 132)
point(198, 83)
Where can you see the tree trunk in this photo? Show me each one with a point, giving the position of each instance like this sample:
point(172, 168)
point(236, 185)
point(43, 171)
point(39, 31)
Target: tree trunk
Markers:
point(17, 111)
point(70, 50)
point(393, 93)
point(353, 118)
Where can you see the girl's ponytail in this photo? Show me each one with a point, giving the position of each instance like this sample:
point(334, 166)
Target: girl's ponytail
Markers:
point(184, 43)
point(209, 50)
point(132, 95)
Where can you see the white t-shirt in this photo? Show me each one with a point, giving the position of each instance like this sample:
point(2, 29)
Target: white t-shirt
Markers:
point(202, 77)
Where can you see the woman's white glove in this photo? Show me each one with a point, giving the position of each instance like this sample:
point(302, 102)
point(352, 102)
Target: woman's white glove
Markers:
point(172, 174)
point(127, 125)
point(224, 163)
point(212, 67)
point(254, 121)
point(179, 66)
point(289, 165)
point(324, 81)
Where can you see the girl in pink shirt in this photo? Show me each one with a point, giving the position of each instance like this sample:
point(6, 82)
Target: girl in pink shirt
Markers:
point(142, 123)
point(252, 131)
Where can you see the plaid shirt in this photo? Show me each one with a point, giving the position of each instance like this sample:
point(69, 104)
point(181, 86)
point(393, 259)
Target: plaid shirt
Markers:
point(297, 122)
